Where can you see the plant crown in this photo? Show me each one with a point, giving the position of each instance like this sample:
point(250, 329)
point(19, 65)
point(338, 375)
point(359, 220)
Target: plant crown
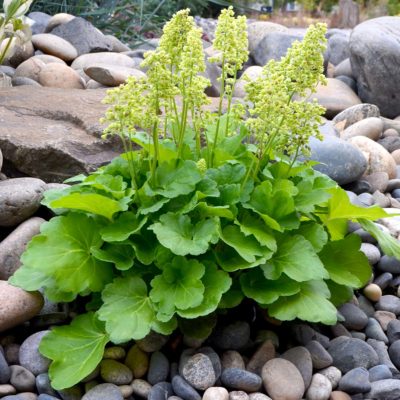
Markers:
point(213, 208)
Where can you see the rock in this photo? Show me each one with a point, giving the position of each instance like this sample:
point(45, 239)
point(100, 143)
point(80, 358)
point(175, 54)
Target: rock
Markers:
point(273, 46)
point(389, 264)
point(6, 390)
point(141, 388)
point(87, 60)
point(114, 353)
point(19, 199)
point(393, 330)
point(355, 318)
point(301, 358)
point(378, 158)
point(263, 354)
point(57, 75)
point(371, 252)
point(238, 395)
point(104, 391)
point(83, 36)
point(11, 353)
point(58, 19)
point(383, 355)
point(55, 46)
point(390, 143)
point(319, 389)
point(92, 84)
point(389, 303)
point(216, 393)
point(258, 396)
point(338, 159)
point(17, 306)
point(19, 54)
point(379, 372)
point(282, 380)
point(355, 381)
point(183, 389)
point(116, 45)
point(240, 379)
point(29, 355)
point(368, 127)
point(394, 353)
point(384, 318)
point(232, 359)
point(356, 113)
point(22, 379)
point(214, 358)
point(343, 69)
point(378, 181)
point(43, 385)
point(158, 368)
point(233, 336)
point(40, 19)
point(138, 361)
point(319, 356)
point(379, 36)
point(259, 29)
point(351, 353)
point(30, 69)
point(374, 330)
point(69, 120)
point(304, 334)
point(339, 395)
point(386, 389)
point(152, 342)
point(338, 47)
point(251, 73)
point(199, 372)
point(5, 370)
point(336, 96)
point(114, 372)
point(112, 75)
point(160, 391)
point(333, 374)
point(350, 82)
point(9, 71)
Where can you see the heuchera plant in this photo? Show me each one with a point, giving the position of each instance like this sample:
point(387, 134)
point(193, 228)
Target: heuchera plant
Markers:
point(211, 209)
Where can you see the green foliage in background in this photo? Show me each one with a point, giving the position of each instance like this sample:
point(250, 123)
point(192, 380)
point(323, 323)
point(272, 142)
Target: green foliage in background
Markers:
point(211, 209)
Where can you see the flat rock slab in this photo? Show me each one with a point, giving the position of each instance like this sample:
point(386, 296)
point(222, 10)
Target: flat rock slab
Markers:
point(53, 134)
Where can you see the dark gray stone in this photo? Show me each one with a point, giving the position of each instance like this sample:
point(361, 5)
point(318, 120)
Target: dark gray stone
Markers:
point(386, 389)
point(47, 397)
point(29, 355)
point(366, 306)
point(75, 393)
point(300, 356)
point(43, 385)
point(356, 113)
point(366, 199)
point(9, 71)
point(24, 81)
point(393, 330)
point(338, 47)
point(383, 280)
point(388, 302)
point(350, 82)
point(372, 40)
point(158, 368)
point(183, 389)
point(274, 46)
point(389, 264)
point(104, 391)
point(319, 356)
point(355, 381)
point(374, 330)
point(41, 20)
point(394, 353)
point(338, 159)
point(372, 252)
point(5, 371)
point(239, 379)
point(22, 379)
point(233, 336)
point(160, 391)
point(350, 353)
point(304, 334)
point(83, 36)
point(355, 318)
point(379, 372)
point(390, 143)
point(383, 355)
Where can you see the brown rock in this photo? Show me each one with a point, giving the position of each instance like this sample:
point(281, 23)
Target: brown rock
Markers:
point(112, 75)
point(263, 354)
point(60, 76)
point(384, 317)
point(396, 156)
point(19, 54)
point(378, 181)
point(58, 19)
point(339, 395)
point(372, 292)
point(17, 305)
point(117, 45)
point(378, 158)
point(282, 380)
point(390, 132)
point(336, 96)
point(92, 84)
point(138, 361)
point(47, 59)
point(30, 69)
point(55, 46)
point(368, 127)
point(54, 133)
point(232, 359)
point(251, 73)
point(118, 59)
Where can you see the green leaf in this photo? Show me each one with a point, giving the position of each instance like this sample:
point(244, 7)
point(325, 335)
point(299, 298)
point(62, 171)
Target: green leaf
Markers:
point(206, 210)
point(165, 328)
point(297, 259)
point(207, 188)
point(178, 287)
point(251, 225)
point(389, 245)
point(312, 192)
point(146, 247)
point(233, 297)
point(310, 304)
point(265, 291)
point(314, 233)
point(124, 225)
point(89, 202)
point(120, 254)
point(150, 204)
point(200, 328)
point(127, 310)
point(177, 233)
point(174, 179)
point(75, 350)
point(228, 173)
point(340, 294)
point(247, 246)
point(275, 206)
point(346, 264)
point(216, 283)
point(114, 185)
point(63, 251)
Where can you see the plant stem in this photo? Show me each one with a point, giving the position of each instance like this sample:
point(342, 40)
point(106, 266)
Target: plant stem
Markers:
point(230, 102)
point(3, 55)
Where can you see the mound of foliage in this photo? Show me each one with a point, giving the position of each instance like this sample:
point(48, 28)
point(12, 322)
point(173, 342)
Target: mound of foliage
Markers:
point(213, 208)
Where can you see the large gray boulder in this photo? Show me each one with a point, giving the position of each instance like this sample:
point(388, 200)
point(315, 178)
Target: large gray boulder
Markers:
point(53, 134)
point(375, 60)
